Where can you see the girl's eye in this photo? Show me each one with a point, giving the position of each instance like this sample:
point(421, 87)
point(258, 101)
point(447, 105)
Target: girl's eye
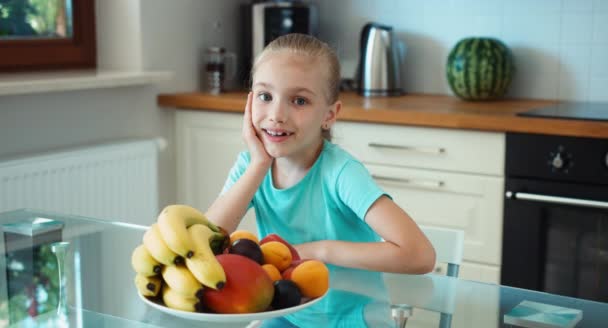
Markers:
point(300, 101)
point(265, 96)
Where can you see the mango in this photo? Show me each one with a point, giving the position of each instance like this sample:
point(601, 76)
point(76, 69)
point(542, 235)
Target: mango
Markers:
point(248, 287)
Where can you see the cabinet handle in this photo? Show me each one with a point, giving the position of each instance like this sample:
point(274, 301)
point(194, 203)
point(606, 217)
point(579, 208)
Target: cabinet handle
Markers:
point(421, 183)
point(415, 149)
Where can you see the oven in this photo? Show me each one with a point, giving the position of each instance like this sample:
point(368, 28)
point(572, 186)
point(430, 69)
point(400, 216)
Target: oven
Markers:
point(555, 233)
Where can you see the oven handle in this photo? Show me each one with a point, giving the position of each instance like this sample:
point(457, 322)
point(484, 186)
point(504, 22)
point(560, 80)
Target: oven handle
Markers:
point(556, 199)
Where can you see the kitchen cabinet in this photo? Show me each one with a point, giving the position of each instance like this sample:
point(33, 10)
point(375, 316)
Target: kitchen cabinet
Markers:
point(207, 146)
point(441, 177)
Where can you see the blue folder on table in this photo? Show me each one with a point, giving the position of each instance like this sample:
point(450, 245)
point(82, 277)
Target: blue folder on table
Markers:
point(539, 315)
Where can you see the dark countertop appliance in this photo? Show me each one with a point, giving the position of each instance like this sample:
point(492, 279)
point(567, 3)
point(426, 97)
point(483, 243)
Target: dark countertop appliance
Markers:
point(587, 111)
point(555, 232)
point(264, 21)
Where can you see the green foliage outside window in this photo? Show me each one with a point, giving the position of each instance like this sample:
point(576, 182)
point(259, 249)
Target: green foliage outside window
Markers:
point(35, 19)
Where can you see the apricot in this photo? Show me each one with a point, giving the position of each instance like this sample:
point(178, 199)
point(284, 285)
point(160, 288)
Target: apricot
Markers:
point(277, 254)
point(240, 234)
point(274, 237)
point(311, 276)
point(272, 271)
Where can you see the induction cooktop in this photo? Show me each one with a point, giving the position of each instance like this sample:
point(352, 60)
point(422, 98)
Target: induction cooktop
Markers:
point(590, 111)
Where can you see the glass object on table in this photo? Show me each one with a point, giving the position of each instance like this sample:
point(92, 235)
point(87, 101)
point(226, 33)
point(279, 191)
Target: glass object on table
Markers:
point(60, 249)
point(30, 266)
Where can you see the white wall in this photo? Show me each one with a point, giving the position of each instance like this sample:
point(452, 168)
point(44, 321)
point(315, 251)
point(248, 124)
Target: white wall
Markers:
point(560, 46)
point(158, 35)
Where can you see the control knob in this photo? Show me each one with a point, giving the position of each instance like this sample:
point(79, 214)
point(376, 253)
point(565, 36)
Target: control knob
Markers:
point(560, 161)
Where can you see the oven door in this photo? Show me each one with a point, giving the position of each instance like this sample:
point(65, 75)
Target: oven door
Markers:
point(555, 238)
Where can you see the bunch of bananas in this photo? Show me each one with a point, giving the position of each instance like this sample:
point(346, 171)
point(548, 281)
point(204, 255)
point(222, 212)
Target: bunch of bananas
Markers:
point(177, 258)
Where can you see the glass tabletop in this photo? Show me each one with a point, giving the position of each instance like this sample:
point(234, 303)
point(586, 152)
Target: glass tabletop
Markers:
point(100, 290)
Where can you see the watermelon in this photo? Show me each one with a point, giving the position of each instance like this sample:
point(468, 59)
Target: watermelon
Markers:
point(480, 68)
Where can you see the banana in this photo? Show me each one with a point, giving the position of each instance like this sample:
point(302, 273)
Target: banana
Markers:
point(158, 249)
point(148, 286)
point(180, 280)
point(143, 263)
point(173, 222)
point(178, 301)
point(203, 265)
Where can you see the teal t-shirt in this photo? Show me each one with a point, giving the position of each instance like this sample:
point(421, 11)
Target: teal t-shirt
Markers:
point(329, 203)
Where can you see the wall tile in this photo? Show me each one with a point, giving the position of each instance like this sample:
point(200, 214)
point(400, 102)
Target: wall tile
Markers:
point(537, 30)
point(599, 61)
point(575, 60)
point(439, 27)
point(439, 7)
point(597, 89)
point(534, 62)
point(577, 6)
point(537, 87)
point(515, 7)
point(600, 6)
point(576, 28)
point(559, 45)
point(478, 25)
point(478, 7)
point(573, 89)
point(600, 28)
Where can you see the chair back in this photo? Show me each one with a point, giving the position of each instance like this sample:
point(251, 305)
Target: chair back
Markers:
point(449, 246)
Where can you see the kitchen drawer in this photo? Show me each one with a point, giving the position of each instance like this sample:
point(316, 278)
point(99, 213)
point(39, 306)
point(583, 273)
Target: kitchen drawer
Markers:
point(429, 148)
point(468, 202)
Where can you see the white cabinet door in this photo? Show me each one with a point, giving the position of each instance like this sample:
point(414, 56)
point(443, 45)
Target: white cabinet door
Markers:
point(207, 147)
point(480, 272)
point(452, 200)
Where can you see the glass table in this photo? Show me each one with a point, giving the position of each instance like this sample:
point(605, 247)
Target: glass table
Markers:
point(100, 292)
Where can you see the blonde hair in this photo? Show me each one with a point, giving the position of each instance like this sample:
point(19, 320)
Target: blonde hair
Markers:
point(306, 45)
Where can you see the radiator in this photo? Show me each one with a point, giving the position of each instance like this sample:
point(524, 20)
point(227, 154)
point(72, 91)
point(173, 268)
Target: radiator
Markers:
point(117, 182)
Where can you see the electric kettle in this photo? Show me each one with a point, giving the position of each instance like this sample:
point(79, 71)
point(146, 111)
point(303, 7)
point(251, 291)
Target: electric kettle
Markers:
point(379, 71)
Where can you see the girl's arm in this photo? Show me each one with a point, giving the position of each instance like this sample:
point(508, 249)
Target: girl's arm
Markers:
point(405, 248)
point(229, 208)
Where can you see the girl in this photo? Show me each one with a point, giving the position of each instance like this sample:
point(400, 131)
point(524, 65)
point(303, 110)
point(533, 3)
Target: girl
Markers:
point(313, 193)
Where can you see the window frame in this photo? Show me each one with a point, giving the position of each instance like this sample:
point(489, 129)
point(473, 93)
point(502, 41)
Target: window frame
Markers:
point(78, 52)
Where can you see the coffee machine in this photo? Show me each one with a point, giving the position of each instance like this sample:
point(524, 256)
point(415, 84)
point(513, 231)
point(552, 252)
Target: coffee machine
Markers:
point(264, 21)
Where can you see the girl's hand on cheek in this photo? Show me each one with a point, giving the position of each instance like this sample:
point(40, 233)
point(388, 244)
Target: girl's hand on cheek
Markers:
point(252, 140)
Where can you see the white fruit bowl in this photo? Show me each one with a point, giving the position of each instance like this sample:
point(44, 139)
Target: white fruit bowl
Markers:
point(226, 318)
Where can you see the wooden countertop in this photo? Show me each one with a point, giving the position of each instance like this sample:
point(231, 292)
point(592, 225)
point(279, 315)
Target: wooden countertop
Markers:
point(418, 110)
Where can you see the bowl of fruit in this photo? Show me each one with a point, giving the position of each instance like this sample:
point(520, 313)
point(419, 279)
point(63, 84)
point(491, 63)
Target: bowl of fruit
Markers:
point(191, 268)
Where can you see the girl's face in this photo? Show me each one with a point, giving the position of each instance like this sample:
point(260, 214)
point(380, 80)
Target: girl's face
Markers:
point(290, 105)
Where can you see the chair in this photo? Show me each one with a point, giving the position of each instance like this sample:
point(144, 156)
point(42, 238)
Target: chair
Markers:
point(448, 244)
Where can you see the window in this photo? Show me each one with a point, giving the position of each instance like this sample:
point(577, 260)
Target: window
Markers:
point(47, 34)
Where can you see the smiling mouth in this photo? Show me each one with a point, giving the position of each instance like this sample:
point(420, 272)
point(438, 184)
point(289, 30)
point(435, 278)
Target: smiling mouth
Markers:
point(273, 133)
